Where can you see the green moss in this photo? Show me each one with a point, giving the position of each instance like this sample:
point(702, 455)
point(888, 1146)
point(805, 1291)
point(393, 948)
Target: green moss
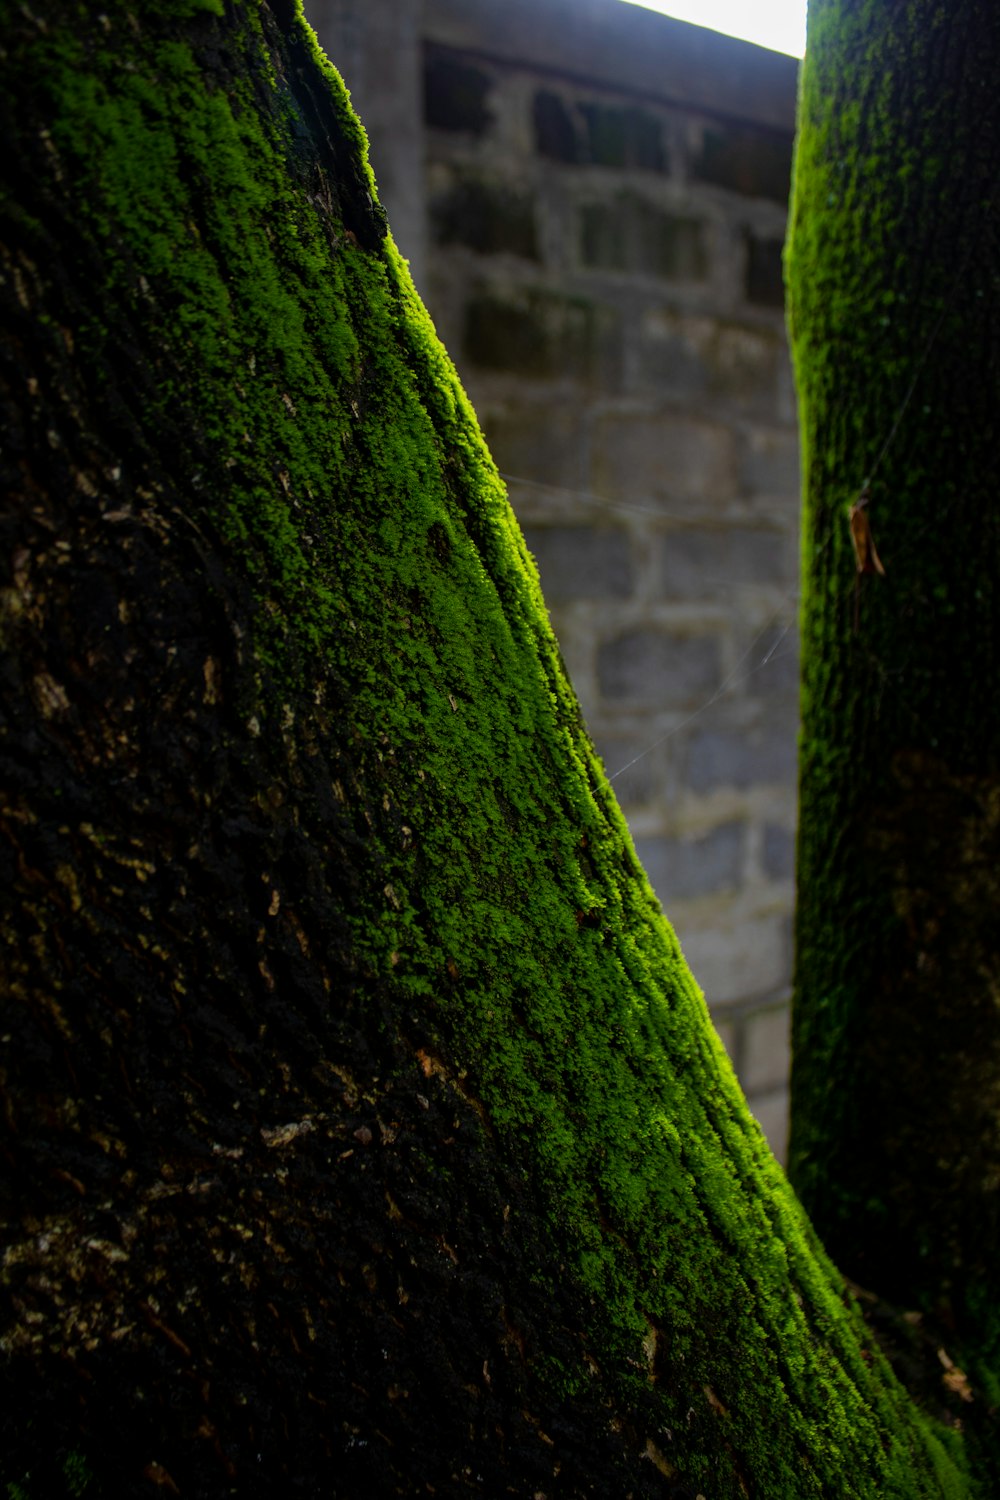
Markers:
point(896, 1037)
point(65, 1475)
point(321, 430)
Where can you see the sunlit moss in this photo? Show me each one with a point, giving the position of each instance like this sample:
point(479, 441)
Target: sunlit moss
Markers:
point(353, 488)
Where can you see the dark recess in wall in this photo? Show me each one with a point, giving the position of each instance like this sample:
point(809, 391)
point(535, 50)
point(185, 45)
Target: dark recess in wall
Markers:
point(489, 217)
point(591, 134)
point(455, 95)
point(746, 160)
point(765, 284)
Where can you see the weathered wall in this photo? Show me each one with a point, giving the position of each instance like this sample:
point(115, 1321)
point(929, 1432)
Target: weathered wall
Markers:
point(593, 197)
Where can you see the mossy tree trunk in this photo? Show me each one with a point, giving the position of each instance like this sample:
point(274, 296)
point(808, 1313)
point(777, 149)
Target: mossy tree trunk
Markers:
point(894, 267)
point(364, 1131)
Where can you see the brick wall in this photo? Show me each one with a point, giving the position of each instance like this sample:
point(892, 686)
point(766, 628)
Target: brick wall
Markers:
point(593, 200)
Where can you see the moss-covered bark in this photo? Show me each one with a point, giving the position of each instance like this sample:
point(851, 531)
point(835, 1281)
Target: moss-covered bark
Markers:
point(364, 1131)
point(893, 267)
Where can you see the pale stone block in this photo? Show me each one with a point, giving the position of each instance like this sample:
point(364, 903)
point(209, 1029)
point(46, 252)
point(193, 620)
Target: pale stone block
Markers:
point(728, 1036)
point(771, 1114)
point(778, 852)
point(540, 443)
point(741, 368)
point(683, 869)
point(702, 563)
point(664, 460)
point(659, 667)
point(771, 660)
point(582, 562)
point(766, 1049)
point(771, 463)
point(765, 755)
point(636, 766)
point(735, 963)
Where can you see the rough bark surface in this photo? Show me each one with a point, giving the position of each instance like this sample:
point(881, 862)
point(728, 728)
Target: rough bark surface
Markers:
point(364, 1131)
point(894, 265)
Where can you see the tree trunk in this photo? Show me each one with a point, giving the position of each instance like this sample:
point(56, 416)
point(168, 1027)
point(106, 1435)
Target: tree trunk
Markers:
point(365, 1131)
point(893, 263)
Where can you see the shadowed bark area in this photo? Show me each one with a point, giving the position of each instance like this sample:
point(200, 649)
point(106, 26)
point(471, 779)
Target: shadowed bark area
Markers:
point(893, 264)
point(364, 1131)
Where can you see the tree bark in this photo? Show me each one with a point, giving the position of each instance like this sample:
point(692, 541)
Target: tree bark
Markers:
point(365, 1132)
point(893, 267)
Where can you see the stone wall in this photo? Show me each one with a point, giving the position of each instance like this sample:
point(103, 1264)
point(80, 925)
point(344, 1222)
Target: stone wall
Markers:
point(592, 198)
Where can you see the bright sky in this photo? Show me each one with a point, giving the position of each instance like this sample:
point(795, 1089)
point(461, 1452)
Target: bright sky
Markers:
point(779, 24)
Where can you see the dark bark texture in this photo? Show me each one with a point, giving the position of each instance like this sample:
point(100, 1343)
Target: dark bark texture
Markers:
point(364, 1132)
point(894, 267)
